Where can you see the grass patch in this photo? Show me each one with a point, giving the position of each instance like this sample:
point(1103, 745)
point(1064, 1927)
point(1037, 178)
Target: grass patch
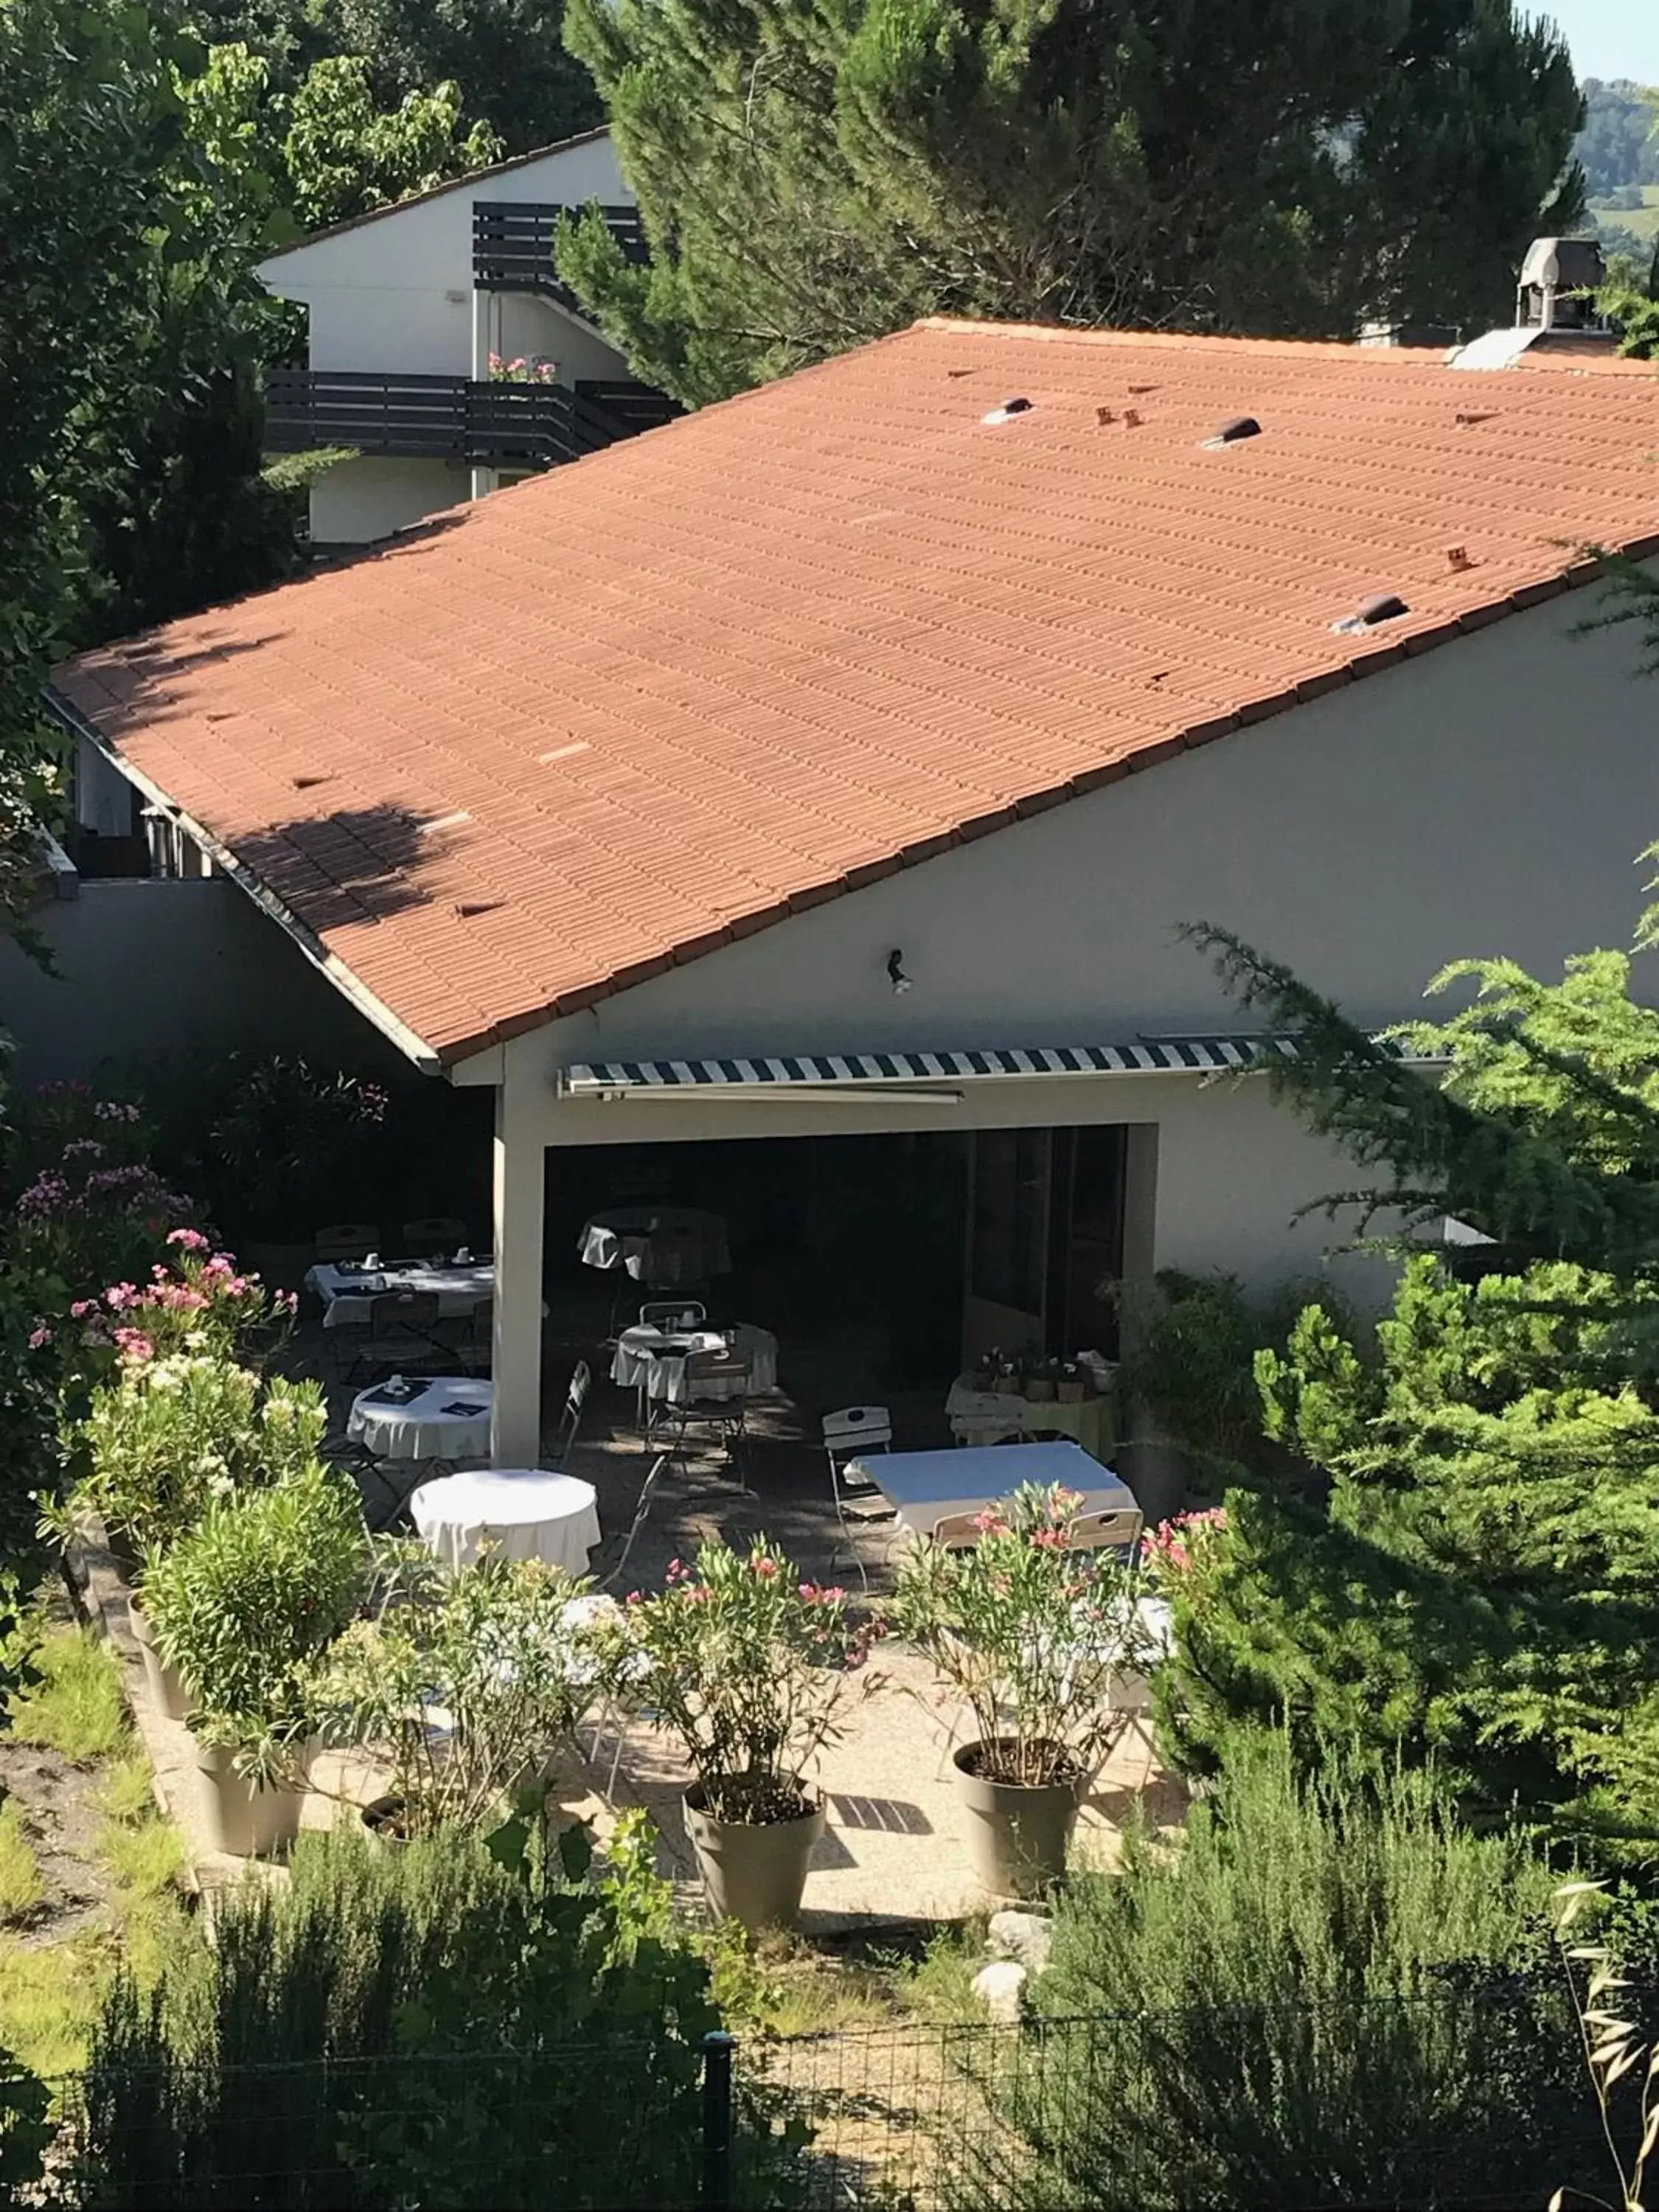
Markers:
point(21, 1886)
point(127, 1791)
point(939, 1985)
point(146, 1858)
point(77, 1708)
point(49, 1998)
point(782, 1985)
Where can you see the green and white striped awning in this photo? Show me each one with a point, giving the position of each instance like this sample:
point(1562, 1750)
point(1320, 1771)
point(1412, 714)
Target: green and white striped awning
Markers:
point(819, 1072)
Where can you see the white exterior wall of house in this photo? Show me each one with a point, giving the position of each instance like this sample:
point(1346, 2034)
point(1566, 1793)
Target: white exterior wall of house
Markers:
point(1488, 798)
point(395, 293)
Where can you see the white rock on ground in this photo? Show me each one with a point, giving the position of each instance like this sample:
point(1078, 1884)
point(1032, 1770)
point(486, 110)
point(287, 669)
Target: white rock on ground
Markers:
point(1028, 1937)
point(1001, 1988)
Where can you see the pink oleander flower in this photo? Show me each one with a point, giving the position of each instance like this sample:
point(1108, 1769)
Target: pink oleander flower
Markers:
point(221, 1264)
point(990, 1522)
point(121, 1294)
point(134, 1345)
point(635, 1597)
point(1048, 1540)
point(84, 1148)
point(82, 1307)
point(188, 1240)
point(766, 1567)
point(40, 1337)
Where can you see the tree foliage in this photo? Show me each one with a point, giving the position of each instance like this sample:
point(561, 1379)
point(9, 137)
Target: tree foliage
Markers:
point(1619, 144)
point(1484, 1584)
point(812, 176)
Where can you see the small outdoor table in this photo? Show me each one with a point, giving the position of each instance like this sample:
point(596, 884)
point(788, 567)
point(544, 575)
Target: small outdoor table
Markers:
point(438, 1417)
point(346, 1292)
point(926, 1487)
point(983, 1416)
point(652, 1360)
point(657, 1244)
point(520, 1512)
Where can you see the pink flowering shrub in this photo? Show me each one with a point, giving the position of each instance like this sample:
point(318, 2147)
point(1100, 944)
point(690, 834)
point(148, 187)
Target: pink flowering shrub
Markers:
point(1031, 1632)
point(87, 1206)
point(749, 1665)
point(520, 370)
point(201, 1304)
point(1177, 1548)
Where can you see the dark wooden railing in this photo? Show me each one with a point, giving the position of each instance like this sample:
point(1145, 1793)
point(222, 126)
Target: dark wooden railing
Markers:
point(512, 245)
point(453, 418)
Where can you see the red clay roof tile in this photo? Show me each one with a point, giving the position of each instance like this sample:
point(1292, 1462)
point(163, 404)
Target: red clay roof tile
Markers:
point(727, 670)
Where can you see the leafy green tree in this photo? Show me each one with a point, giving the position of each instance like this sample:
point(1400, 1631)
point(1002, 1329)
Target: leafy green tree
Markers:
point(1618, 144)
point(813, 176)
point(1484, 1584)
point(507, 56)
point(343, 155)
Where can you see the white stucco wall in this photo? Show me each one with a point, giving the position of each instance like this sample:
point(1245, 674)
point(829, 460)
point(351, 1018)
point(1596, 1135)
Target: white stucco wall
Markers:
point(1490, 797)
point(396, 292)
point(358, 501)
point(145, 965)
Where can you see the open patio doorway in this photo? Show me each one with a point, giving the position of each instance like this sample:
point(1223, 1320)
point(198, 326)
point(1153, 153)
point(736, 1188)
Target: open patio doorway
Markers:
point(1047, 1212)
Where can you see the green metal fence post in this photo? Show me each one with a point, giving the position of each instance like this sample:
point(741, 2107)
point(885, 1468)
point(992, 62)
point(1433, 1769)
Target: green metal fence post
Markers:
point(716, 2195)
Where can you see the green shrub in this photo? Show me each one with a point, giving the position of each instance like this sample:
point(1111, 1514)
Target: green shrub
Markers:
point(1330, 1994)
point(460, 2022)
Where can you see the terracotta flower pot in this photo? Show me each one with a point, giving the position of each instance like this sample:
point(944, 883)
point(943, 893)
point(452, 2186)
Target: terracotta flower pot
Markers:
point(752, 1872)
point(165, 1684)
point(1017, 1837)
point(245, 1822)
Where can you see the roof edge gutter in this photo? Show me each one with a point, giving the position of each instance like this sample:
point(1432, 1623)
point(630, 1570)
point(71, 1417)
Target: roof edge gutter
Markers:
point(327, 964)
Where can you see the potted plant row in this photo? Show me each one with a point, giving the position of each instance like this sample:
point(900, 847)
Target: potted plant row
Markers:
point(751, 1668)
point(1031, 1634)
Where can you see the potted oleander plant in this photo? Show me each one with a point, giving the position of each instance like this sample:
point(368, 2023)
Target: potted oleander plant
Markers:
point(751, 1667)
point(242, 1605)
point(1031, 1634)
point(467, 1684)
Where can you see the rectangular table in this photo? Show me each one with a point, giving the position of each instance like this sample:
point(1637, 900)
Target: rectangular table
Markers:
point(461, 1288)
point(926, 1487)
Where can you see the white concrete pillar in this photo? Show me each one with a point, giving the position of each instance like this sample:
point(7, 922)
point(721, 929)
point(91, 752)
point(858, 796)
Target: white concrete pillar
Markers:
point(516, 1437)
point(485, 480)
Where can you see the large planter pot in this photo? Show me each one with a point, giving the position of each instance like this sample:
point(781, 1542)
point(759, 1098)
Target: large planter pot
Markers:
point(246, 1822)
point(1016, 1838)
point(1040, 1391)
point(165, 1684)
point(752, 1874)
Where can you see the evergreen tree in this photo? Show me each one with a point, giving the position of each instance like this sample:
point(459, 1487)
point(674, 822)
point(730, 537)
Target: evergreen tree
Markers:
point(1483, 1585)
point(812, 176)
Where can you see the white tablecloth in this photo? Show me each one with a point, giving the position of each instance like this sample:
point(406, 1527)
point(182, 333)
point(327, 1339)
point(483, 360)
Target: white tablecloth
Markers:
point(346, 1295)
point(984, 1417)
point(657, 1243)
point(926, 1487)
point(653, 1359)
point(522, 1513)
point(419, 1427)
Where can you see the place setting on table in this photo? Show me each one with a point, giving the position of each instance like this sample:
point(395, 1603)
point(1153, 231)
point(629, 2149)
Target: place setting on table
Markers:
point(460, 1283)
point(424, 1417)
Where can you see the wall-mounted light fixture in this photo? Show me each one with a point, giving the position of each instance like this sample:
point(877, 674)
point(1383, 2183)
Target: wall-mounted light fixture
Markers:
point(896, 975)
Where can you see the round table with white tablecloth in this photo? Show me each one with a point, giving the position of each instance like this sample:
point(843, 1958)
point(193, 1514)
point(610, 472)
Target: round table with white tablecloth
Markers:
point(436, 1417)
point(652, 1360)
point(520, 1512)
point(657, 1244)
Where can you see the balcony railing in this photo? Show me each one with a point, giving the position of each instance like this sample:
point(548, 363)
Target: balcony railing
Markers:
point(513, 243)
point(453, 418)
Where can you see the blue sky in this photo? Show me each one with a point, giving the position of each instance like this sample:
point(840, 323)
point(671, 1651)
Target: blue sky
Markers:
point(1609, 38)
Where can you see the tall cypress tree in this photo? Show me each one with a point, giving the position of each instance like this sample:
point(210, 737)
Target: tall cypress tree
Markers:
point(1483, 1583)
point(814, 173)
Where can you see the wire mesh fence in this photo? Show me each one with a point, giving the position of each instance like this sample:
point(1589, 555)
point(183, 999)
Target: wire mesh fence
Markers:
point(1046, 2116)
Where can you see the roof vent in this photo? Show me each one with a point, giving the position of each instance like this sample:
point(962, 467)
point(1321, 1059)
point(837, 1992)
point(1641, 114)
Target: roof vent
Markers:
point(1242, 426)
point(1382, 607)
point(1007, 411)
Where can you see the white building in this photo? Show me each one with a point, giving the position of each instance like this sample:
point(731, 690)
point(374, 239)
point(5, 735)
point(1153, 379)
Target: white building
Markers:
point(841, 762)
point(406, 307)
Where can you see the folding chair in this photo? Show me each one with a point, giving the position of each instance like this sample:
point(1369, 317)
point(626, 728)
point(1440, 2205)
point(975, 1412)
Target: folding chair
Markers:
point(716, 1398)
point(581, 1378)
point(673, 1313)
point(348, 1342)
point(431, 1233)
point(1116, 1530)
point(403, 1330)
point(347, 1240)
point(469, 1338)
point(848, 1432)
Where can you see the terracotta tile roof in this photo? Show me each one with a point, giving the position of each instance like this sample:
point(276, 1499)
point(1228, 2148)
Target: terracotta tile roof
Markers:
point(611, 717)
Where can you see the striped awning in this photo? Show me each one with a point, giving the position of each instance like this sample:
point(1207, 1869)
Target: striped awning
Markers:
point(1194, 1055)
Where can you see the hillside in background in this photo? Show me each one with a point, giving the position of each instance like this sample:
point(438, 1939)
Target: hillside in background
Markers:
point(1619, 146)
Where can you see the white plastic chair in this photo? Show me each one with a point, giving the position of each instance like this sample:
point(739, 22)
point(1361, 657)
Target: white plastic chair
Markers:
point(1116, 1530)
point(848, 1433)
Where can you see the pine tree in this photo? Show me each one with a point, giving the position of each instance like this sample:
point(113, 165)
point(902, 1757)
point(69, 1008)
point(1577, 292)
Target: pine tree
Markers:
point(813, 175)
point(1483, 1585)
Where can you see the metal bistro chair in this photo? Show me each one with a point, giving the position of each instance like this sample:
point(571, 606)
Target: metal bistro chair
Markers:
point(469, 1338)
point(673, 1313)
point(717, 1386)
point(402, 1331)
point(347, 1240)
point(848, 1432)
point(432, 1233)
point(581, 1378)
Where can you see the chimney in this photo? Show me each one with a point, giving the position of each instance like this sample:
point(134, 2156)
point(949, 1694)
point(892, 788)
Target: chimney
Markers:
point(1557, 278)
